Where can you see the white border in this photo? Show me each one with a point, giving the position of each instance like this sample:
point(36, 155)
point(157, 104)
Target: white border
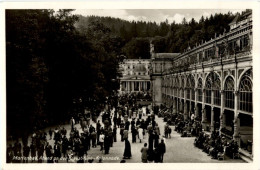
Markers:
point(134, 5)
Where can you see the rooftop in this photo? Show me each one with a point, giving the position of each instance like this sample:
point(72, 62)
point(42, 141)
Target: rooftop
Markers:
point(166, 55)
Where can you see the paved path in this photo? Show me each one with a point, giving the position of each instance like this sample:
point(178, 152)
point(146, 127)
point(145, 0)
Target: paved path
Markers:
point(178, 149)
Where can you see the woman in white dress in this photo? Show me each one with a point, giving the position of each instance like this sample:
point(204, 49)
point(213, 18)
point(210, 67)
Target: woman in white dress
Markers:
point(140, 134)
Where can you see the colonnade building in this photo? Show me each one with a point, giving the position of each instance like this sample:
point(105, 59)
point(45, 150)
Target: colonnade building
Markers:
point(213, 80)
point(135, 75)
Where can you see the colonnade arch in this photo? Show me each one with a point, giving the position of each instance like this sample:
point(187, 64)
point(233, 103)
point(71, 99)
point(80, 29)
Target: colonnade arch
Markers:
point(212, 98)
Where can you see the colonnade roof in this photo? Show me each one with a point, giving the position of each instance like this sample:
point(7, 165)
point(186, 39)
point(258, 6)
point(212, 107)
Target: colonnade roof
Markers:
point(166, 55)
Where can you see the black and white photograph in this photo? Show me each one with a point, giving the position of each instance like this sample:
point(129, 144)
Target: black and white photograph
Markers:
point(126, 85)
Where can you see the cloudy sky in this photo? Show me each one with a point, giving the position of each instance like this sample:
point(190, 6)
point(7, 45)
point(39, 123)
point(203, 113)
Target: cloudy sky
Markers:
point(157, 15)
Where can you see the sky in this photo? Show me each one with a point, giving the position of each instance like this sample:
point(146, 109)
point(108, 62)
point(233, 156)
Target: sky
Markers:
point(157, 15)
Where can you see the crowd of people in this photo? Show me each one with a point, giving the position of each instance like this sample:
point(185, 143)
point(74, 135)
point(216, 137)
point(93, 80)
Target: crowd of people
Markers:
point(213, 144)
point(216, 146)
point(73, 144)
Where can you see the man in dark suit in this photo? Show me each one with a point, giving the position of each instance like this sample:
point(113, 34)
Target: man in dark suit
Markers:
point(162, 149)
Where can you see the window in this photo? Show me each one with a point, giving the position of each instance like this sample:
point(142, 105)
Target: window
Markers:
point(188, 88)
point(148, 85)
point(200, 90)
point(208, 86)
point(136, 86)
point(229, 93)
point(192, 83)
point(176, 87)
point(200, 56)
point(245, 94)
point(216, 90)
point(182, 88)
point(244, 41)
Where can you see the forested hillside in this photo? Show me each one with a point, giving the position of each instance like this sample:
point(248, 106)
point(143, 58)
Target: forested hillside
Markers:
point(167, 37)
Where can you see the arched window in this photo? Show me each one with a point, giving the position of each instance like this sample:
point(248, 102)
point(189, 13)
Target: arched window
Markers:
point(216, 90)
point(200, 90)
point(192, 84)
point(208, 87)
point(182, 88)
point(176, 86)
point(172, 86)
point(229, 93)
point(245, 94)
point(188, 85)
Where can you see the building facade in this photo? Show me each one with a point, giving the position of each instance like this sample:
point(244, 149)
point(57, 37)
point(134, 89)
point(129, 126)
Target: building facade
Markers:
point(135, 75)
point(213, 80)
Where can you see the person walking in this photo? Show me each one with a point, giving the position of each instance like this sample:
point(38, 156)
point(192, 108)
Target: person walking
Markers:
point(72, 123)
point(57, 152)
point(157, 129)
point(127, 151)
point(49, 153)
point(65, 144)
point(144, 153)
point(140, 134)
point(156, 139)
point(98, 127)
point(166, 130)
point(94, 139)
point(26, 152)
point(150, 155)
point(40, 152)
point(33, 151)
point(134, 133)
point(150, 141)
point(110, 136)
point(114, 133)
point(157, 155)
point(125, 134)
point(101, 141)
point(106, 144)
point(162, 150)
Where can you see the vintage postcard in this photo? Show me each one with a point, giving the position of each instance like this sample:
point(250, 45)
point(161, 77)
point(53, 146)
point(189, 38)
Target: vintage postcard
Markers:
point(168, 84)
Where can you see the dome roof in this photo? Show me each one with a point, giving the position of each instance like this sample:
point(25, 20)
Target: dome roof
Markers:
point(140, 68)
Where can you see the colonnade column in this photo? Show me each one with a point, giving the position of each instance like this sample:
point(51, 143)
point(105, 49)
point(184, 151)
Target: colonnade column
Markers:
point(174, 106)
point(222, 114)
point(177, 105)
point(196, 108)
point(236, 119)
point(190, 111)
point(120, 87)
point(203, 111)
point(212, 121)
point(185, 111)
